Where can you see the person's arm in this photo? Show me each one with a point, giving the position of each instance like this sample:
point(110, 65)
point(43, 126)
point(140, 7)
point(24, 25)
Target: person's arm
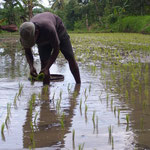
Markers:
point(30, 60)
point(52, 58)
point(49, 64)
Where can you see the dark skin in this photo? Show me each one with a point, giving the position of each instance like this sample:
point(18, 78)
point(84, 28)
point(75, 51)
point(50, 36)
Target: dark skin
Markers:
point(45, 69)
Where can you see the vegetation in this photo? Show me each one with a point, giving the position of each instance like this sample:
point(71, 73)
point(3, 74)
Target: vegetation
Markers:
point(140, 24)
point(84, 15)
point(40, 77)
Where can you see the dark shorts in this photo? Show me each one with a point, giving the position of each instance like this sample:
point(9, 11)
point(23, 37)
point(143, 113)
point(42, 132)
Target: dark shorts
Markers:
point(65, 47)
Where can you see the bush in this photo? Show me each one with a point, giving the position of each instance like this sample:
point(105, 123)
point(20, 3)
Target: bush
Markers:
point(132, 24)
point(79, 25)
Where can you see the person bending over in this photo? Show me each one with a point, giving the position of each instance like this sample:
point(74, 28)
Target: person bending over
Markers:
point(48, 32)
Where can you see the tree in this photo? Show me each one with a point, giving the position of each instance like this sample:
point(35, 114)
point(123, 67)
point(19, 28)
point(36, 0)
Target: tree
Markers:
point(138, 7)
point(9, 11)
point(29, 5)
point(24, 7)
point(58, 4)
point(71, 14)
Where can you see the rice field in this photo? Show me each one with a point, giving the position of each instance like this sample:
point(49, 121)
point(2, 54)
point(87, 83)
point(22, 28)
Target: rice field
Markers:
point(109, 110)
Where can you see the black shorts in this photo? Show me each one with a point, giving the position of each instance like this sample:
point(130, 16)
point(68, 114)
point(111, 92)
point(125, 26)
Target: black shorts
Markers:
point(65, 47)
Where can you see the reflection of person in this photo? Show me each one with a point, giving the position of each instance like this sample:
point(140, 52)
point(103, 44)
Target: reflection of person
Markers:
point(48, 32)
point(48, 132)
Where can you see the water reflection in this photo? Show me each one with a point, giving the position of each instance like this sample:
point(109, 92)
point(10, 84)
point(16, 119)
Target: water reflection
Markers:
point(131, 84)
point(49, 132)
point(1, 50)
point(12, 60)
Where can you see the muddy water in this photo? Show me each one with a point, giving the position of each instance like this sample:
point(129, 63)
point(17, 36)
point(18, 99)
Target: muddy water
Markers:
point(109, 110)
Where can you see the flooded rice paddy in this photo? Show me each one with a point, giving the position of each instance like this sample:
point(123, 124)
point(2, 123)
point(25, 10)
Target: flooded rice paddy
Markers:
point(109, 110)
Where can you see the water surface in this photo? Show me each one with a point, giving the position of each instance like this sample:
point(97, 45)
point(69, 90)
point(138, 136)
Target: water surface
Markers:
point(115, 88)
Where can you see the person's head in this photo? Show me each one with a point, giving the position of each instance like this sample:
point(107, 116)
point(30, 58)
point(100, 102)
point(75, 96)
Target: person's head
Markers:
point(27, 34)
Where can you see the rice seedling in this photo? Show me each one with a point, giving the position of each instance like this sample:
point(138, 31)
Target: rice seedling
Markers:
point(40, 77)
point(8, 113)
point(97, 124)
point(39, 95)
point(60, 95)
point(127, 119)
point(80, 104)
point(32, 102)
point(115, 110)
point(30, 107)
point(93, 118)
point(85, 94)
point(35, 118)
point(107, 98)
point(58, 104)
point(15, 99)
point(73, 138)
point(62, 120)
point(32, 141)
point(2, 128)
point(81, 146)
point(118, 113)
point(111, 103)
point(8, 109)
point(93, 69)
point(110, 133)
point(2, 131)
point(20, 89)
point(112, 141)
point(89, 88)
point(32, 136)
point(86, 119)
point(62, 124)
point(53, 96)
point(86, 108)
point(33, 98)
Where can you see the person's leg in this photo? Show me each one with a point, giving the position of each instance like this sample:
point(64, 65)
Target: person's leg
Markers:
point(44, 53)
point(66, 49)
point(74, 69)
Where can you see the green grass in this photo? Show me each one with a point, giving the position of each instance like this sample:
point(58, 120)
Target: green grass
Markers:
point(138, 24)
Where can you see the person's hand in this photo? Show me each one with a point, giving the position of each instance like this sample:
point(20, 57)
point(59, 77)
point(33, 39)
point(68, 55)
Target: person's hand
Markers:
point(46, 76)
point(33, 72)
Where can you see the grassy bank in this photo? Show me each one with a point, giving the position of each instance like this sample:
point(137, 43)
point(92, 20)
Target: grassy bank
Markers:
point(137, 24)
point(132, 24)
